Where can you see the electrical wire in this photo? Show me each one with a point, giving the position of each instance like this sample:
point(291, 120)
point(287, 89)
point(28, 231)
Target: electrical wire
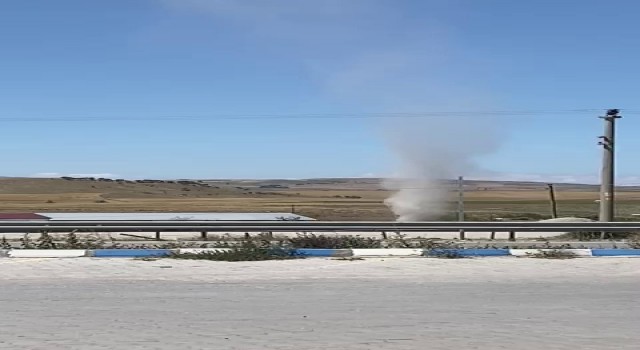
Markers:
point(586, 112)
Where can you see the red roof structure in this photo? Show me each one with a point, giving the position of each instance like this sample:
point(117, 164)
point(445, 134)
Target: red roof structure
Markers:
point(22, 216)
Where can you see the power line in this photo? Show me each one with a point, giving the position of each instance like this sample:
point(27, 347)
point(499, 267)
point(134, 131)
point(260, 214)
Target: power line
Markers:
point(328, 116)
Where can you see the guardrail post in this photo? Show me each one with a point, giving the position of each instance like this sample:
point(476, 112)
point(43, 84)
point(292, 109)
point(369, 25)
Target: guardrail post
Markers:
point(384, 235)
point(158, 236)
point(493, 235)
point(203, 235)
point(512, 235)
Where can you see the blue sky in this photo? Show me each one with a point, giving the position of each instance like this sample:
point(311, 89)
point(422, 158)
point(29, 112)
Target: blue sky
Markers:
point(270, 88)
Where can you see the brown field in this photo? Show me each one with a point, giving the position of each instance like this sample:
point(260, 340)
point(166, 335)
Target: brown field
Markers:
point(325, 199)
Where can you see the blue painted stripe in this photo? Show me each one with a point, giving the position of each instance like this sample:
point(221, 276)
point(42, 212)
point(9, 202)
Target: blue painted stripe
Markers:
point(317, 252)
point(467, 252)
point(130, 253)
point(484, 252)
point(615, 252)
point(140, 253)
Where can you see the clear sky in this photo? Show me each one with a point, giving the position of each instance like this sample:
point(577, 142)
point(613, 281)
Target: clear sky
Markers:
point(289, 89)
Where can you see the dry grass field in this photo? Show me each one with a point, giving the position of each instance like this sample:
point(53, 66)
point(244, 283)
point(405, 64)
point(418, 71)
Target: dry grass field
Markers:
point(325, 199)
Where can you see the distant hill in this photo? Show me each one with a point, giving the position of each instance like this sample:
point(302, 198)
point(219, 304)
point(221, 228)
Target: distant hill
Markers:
point(121, 188)
point(377, 183)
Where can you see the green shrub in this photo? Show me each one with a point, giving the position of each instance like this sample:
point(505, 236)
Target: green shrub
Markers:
point(25, 242)
point(4, 244)
point(71, 241)
point(92, 241)
point(310, 240)
point(444, 253)
point(435, 243)
point(246, 251)
point(553, 254)
point(45, 241)
point(593, 235)
point(634, 241)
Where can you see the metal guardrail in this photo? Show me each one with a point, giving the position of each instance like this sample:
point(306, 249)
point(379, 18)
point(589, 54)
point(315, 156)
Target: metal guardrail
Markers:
point(310, 226)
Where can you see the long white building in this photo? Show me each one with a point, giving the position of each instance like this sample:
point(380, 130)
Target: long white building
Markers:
point(174, 216)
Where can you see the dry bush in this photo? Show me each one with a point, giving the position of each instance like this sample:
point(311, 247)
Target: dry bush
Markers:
point(310, 240)
point(634, 241)
point(553, 254)
point(247, 251)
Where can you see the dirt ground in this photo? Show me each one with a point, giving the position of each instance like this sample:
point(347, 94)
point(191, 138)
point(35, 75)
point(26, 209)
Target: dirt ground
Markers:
point(324, 199)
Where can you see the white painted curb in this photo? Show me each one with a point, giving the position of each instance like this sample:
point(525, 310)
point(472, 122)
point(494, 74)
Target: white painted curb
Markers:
point(200, 250)
point(527, 252)
point(387, 252)
point(46, 253)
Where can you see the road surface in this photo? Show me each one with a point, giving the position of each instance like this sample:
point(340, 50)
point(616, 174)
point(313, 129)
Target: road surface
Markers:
point(420, 303)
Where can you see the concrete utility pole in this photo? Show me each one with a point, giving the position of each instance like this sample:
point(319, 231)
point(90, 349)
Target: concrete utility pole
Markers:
point(460, 198)
point(461, 204)
point(607, 178)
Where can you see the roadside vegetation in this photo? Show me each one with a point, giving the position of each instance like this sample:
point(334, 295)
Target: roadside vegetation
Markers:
point(634, 241)
point(553, 254)
point(75, 240)
point(266, 246)
point(444, 253)
point(246, 251)
point(597, 235)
